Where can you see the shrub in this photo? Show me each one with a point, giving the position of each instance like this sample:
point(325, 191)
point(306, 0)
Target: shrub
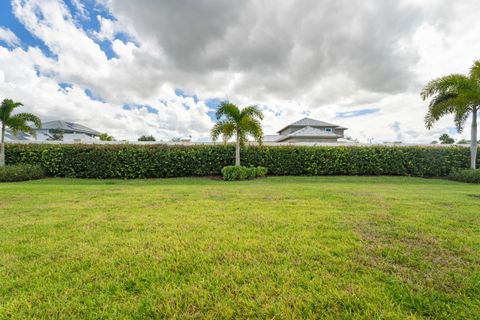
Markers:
point(251, 172)
point(21, 172)
point(466, 175)
point(161, 161)
point(231, 173)
point(261, 171)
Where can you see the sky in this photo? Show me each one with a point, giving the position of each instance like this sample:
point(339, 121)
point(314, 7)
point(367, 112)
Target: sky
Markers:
point(162, 67)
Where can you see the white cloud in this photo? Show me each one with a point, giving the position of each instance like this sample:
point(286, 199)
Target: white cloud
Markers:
point(8, 37)
point(293, 59)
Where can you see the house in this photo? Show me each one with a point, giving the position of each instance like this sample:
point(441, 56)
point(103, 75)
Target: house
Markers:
point(71, 132)
point(308, 131)
point(20, 136)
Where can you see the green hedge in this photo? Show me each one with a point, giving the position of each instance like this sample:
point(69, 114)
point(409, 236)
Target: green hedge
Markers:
point(465, 175)
point(158, 161)
point(232, 173)
point(21, 172)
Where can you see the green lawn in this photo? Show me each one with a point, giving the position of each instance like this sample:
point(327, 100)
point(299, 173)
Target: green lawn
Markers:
point(283, 247)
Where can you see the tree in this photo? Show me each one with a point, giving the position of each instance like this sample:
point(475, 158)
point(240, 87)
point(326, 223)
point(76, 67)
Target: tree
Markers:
point(17, 123)
point(146, 138)
point(463, 141)
point(446, 139)
point(233, 122)
point(434, 142)
point(105, 137)
point(459, 95)
point(55, 135)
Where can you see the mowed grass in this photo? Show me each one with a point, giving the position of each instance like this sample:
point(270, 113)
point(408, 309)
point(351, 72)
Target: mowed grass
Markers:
point(282, 247)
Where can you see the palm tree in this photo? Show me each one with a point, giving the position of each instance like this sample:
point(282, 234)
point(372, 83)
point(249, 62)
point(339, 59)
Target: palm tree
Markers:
point(17, 123)
point(459, 95)
point(239, 123)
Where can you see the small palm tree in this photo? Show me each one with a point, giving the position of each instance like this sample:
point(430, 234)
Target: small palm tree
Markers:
point(239, 123)
point(17, 123)
point(459, 95)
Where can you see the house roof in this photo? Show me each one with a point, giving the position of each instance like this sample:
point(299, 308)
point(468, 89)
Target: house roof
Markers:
point(20, 136)
point(68, 126)
point(271, 138)
point(311, 123)
point(309, 132)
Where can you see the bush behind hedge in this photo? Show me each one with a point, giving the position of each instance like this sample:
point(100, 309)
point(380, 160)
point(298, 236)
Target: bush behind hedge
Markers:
point(160, 161)
point(21, 172)
point(465, 175)
point(232, 173)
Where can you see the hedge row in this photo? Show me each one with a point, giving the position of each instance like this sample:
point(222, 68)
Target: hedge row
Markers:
point(21, 172)
point(159, 161)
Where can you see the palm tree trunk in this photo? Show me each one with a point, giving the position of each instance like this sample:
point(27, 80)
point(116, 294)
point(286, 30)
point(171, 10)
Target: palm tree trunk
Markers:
point(237, 150)
point(2, 147)
point(473, 142)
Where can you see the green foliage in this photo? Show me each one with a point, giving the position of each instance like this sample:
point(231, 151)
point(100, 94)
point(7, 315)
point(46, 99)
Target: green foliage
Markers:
point(105, 137)
point(17, 123)
point(231, 173)
point(55, 135)
point(21, 172)
point(160, 161)
point(233, 121)
point(465, 175)
point(458, 95)
point(261, 171)
point(146, 138)
point(446, 139)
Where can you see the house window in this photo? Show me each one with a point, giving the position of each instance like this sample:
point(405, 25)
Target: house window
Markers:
point(328, 129)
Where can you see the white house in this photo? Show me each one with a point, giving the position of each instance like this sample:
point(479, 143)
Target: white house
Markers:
point(72, 132)
point(308, 131)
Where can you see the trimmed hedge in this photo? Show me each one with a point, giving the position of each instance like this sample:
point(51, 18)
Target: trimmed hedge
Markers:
point(21, 172)
point(159, 161)
point(465, 175)
point(232, 173)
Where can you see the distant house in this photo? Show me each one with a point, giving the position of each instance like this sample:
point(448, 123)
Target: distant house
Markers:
point(72, 132)
point(20, 136)
point(308, 131)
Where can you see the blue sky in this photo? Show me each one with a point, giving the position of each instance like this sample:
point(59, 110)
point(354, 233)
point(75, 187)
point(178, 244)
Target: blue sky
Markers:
point(162, 68)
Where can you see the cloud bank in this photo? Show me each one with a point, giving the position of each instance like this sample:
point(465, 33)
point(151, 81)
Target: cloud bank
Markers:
point(161, 67)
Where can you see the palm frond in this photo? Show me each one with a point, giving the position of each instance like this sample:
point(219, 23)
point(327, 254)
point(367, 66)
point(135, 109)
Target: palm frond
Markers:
point(252, 111)
point(453, 83)
point(228, 110)
point(7, 107)
point(475, 71)
point(224, 128)
point(446, 103)
point(28, 117)
point(252, 127)
point(461, 116)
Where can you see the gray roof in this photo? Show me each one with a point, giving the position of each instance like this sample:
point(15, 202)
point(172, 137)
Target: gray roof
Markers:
point(68, 126)
point(20, 136)
point(271, 138)
point(309, 132)
point(311, 123)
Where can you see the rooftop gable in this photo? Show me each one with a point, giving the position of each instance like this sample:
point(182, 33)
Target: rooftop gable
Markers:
point(70, 126)
point(310, 132)
point(311, 123)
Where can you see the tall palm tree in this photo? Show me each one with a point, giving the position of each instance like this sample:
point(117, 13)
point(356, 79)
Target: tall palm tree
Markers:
point(459, 95)
point(239, 123)
point(16, 123)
